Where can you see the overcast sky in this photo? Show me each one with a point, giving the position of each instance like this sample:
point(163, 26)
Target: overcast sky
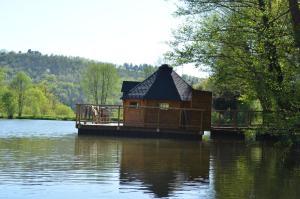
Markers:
point(117, 31)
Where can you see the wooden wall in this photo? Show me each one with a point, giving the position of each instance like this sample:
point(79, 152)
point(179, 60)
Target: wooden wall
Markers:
point(167, 118)
point(172, 119)
point(149, 117)
point(202, 100)
point(133, 116)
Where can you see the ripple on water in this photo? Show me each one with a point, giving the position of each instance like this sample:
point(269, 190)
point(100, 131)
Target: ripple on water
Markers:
point(46, 159)
point(29, 128)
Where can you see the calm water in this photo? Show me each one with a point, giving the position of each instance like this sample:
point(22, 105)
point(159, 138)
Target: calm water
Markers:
point(46, 159)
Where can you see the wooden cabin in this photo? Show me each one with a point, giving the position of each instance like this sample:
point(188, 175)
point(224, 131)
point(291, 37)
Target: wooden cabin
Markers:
point(165, 100)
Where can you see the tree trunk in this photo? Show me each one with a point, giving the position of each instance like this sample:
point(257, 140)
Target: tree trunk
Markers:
point(20, 105)
point(295, 14)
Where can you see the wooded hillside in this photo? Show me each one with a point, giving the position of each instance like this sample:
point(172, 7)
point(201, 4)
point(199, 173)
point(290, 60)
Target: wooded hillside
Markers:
point(63, 74)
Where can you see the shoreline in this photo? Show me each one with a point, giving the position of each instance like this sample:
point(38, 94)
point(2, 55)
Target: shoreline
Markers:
point(40, 118)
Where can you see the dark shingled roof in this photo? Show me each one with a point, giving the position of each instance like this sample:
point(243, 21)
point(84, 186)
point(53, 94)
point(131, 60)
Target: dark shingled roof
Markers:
point(127, 85)
point(164, 84)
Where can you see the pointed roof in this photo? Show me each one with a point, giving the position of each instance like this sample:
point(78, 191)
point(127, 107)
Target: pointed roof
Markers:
point(127, 85)
point(164, 84)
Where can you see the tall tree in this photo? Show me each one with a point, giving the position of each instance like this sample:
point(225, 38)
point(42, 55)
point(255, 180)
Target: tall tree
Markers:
point(99, 81)
point(295, 16)
point(8, 103)
point(20, 83)
point(248, 46)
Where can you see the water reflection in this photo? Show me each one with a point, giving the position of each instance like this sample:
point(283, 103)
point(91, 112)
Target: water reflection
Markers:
point(157, 167)
point(164, 166)
point(68, 166)
point(255, 171)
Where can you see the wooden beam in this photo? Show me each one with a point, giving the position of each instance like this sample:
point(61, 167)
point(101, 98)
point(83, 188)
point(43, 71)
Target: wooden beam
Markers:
point(119, 115)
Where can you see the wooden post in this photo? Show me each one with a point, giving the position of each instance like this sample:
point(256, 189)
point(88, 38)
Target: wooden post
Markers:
point(219, 118)
point(157, 129)
point(235, 118)
point(119, 107)
point(77, 114)
point(201, 125)
point(180, 117)
point(249, 118)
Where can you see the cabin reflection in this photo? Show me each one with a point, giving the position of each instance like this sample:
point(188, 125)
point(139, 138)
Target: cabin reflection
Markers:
point(163, 166)
point(157, 167)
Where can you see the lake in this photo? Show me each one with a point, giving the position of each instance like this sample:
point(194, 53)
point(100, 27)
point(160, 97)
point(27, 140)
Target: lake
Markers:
point(47, 159)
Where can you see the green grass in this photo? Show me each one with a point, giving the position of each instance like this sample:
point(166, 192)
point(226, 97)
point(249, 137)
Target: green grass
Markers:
point(45, 117)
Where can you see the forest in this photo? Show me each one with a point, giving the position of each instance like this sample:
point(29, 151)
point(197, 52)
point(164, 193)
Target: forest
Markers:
point(20, 96)
point(53, 83)
point(252, 50)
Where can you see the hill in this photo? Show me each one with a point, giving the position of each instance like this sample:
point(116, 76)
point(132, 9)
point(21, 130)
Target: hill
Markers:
point(62, 74)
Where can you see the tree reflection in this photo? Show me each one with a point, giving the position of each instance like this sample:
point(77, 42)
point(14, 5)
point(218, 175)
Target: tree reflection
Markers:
point(160, 168)
point(255, 171)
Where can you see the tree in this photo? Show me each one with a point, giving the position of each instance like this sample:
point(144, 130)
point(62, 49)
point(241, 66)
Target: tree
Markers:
point(2, 77)
point(99, 82)
point(8, 102)
point(295, 17)
point(36, 102)
point(20, 83)
point(249, 47)
point(148, 70)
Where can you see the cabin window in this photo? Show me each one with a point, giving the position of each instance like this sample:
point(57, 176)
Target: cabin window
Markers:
point(164, 106)
point(133, 104)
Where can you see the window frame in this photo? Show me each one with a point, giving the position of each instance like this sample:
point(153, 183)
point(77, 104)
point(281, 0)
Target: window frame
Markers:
point(134, 104)
point(164, 106)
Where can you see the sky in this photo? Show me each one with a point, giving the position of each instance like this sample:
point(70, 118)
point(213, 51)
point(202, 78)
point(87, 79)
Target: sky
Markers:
point(116, 31)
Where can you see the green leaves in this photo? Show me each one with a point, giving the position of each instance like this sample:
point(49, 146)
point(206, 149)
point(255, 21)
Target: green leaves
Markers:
point(20, 84)
point(8, 103)
point(249, 47)
point(20, 95)
point(99, 82)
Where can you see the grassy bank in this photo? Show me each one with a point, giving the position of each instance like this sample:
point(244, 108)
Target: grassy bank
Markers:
point(46, 117)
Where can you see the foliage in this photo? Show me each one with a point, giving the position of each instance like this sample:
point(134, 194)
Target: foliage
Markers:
point(100, 81)
point(63, 75)
point(250, 49)
point(58, 79)
point(63, 111)
point(2, 77)
point(38, 101)
point(20, 83)
point(8, 103)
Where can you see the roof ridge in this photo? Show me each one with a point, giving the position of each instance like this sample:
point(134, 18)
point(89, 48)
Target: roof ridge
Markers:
point(182, 78)
point(177, 84)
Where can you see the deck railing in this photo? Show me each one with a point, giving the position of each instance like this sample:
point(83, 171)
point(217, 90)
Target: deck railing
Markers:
point(150, 117)
point(174, 118)
point(241, 119)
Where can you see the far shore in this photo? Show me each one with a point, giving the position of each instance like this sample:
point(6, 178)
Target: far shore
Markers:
point(41, 118)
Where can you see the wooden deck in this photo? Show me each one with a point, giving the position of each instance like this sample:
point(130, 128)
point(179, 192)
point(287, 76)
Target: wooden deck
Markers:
point(234, 123)
point(108, 120)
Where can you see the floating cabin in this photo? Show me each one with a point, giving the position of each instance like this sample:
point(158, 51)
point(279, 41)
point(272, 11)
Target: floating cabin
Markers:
point(162, 105)
point(179, 105)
